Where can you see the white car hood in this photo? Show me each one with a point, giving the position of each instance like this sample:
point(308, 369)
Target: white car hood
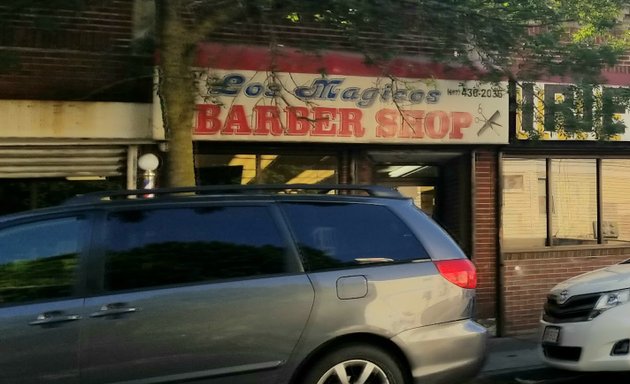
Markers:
point(610, 278)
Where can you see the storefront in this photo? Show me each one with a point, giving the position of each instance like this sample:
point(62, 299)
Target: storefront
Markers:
point(437, 180)
point(51, 150)
point(565, 207)
point(428, 131)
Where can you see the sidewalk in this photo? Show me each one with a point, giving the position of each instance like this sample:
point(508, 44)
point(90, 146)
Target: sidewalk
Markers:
point(516, 360)
point(510, 354)
point(513, 360)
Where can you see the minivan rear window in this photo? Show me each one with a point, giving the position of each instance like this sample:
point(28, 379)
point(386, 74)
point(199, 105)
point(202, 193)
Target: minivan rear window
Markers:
point(341, 235)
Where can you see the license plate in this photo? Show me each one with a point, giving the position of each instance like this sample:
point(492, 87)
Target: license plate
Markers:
point(551, 335)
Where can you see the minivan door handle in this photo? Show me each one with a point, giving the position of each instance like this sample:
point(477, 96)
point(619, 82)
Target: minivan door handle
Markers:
point(54, 317)
point(114, 310)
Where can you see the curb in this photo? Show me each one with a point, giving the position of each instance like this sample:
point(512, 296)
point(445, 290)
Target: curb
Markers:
point(512, 371)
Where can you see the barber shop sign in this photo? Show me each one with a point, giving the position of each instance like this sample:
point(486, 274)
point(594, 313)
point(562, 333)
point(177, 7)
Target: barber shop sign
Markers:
point(240, 105)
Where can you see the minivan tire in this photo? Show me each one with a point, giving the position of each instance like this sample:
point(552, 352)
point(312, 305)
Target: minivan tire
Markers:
point(362, 363)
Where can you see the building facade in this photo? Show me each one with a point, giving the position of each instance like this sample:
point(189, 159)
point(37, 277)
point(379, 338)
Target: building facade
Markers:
point(75, 100)
point(434, 134)
point(563, 205)
point(76, 110)
point(529, 212)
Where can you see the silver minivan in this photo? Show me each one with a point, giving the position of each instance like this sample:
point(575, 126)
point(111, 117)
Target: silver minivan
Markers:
point(339, 284)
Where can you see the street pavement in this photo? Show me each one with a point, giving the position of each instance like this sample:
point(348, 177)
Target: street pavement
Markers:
point(552, 376)
point(515, 360)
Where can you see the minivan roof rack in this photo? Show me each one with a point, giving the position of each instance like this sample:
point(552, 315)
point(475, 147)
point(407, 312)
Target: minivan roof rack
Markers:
point(370, 190)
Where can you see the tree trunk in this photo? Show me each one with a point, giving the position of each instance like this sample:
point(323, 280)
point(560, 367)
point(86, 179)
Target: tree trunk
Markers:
point(177, 96)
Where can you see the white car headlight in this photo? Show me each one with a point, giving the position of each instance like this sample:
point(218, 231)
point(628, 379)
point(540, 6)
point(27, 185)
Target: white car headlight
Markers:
point(610, 300)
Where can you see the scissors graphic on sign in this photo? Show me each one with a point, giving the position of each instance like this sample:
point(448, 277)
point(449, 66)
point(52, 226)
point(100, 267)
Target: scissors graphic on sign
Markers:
point(487, 123)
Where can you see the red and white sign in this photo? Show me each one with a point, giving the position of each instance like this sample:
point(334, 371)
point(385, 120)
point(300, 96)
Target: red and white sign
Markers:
point(262, 106)
point(239, 99)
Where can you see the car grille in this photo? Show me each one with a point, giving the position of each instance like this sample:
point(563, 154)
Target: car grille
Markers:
point(562, 353)
point(575, 309)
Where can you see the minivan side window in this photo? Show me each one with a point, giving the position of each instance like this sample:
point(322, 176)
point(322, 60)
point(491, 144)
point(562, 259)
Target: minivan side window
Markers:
point(341, 235)
point(157, 247)
point(39, 260)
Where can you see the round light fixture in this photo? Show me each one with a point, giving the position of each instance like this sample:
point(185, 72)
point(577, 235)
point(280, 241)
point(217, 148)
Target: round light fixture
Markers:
point(148, 162)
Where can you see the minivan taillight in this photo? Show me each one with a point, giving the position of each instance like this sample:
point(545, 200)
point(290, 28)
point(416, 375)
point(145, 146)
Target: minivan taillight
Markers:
point(460, 272)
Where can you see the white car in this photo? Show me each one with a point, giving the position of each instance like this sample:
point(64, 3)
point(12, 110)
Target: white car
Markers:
point(586, 321)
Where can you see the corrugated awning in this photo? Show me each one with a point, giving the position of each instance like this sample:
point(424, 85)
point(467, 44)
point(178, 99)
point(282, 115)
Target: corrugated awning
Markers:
point(62, 161)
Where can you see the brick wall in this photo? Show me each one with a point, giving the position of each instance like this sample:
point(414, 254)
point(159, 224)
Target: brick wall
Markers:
point(86, 51)
point(528, 277)
point(485, 234)
point(82, 52)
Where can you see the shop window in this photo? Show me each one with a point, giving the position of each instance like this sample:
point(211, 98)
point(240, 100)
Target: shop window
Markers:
point(616, 201)
point(213, 169)
point(524, 223)
point(574, 201)
point(24, 194)
point(571, 209)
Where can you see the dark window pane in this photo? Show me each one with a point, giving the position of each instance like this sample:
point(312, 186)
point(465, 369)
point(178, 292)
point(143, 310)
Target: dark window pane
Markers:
point(175, 246)
point(24, 194)
point(38, 261)
point(341, 235)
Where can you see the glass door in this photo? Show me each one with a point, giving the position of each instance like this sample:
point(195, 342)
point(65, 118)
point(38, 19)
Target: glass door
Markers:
point(418, 182)
point(423, 196)
point(439, 182)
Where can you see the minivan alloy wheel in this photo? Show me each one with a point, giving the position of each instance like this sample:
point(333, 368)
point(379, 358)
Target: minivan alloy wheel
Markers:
point(355, 371)
point(356, 363)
